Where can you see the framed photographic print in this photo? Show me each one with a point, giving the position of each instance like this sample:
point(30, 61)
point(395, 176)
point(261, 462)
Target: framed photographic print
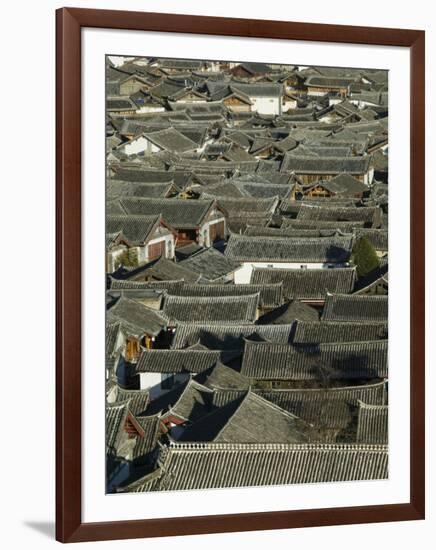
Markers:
point(232, 351)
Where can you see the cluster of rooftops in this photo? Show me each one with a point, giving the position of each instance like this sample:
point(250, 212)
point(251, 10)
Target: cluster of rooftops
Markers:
point(244, 345)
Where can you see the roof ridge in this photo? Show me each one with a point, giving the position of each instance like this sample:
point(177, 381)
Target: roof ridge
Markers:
point(179, 446)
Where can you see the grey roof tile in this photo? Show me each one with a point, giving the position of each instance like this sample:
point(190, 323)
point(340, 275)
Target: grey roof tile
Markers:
point(187, 466)
point(330, 408)
point(220, 376)
point(325, 165)
point(146, 443)
point(309, 284)
point(248, 419)
point(172, 140)
point(271, 295)
point(337, 331)
point(244, 248)
point(333, 361)
point(173, 361)
point(372, 426)
point(227, 336)
point(135, 318)
point(369, 215)
point(345, 227)
point(342, 307)
point(211, 265)
point(168, 270)
point(288, 313)
point(177, 212)
point(116, 416)
point(136, 229)
point(208, 309)
point(138, 399)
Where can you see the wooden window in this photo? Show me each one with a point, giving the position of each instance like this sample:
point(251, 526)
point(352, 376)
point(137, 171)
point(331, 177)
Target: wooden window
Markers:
point(132, 349)
point(155, 250)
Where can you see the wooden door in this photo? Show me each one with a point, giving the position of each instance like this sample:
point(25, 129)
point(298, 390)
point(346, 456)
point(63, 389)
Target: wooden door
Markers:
point(216, 231)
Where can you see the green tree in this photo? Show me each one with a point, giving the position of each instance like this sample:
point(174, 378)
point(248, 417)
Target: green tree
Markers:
point(129, 258)
point(364, 257)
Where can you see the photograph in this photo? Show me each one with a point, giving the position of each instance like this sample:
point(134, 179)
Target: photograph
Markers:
point(246, 277)
point(219, 358)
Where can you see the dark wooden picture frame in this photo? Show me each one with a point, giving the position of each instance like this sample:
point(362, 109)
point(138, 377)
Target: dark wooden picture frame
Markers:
point(69, 526)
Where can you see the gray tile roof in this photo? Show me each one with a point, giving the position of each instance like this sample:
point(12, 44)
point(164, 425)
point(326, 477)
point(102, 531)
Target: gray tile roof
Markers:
point(112, 332)
point(208, 309)
point(136, 229)
point(227, 336)
point(336, 331)
point(328, 81)
point(256, 68)
point(259, 231)
point(237, 154)
point(177, 212)
point(138, 399)
point(120, 104)
point(309, 135)
point(180, 64)
point(188, 401)
point(248, 419)
point(135, 318)
point(325, 151)
point(167, 88)
point(149, 297)
point(369, 214)
point(256, 231)
point(244, 248)
point(220, 190)
point(220, 377)
point(250, 206)
point(372, 425)
point(334, 361)
point(306, 284)
point(187, 466)
point(238, 224)
point(288, 313)
point(153, 190)
point(174, 361)
point(142, 175)
point(345, 184)
point(147, 443)
point(171, 139)
point(332, 408)
point(210, 265)
point(215, 167)
point(325, 165)
point(342, 307)
point(265, 190)
point(127, 284)
point(345, 227)
point(116, 415)
point(168, 270)
point(270, 295)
